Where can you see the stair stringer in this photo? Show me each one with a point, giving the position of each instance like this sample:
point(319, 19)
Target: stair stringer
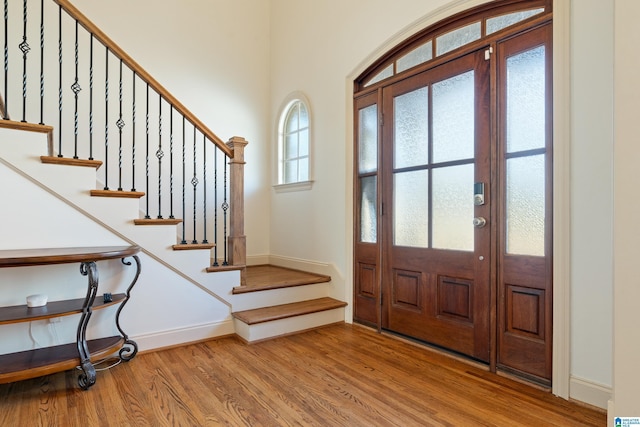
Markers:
point(72, 184)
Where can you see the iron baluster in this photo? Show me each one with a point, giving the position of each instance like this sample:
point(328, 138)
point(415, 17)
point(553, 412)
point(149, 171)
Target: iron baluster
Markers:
point(60, 81)
point(215, 207)
point(225, 208)
point(184, 179)
point(120, 124)
point(106, 120)
point(147, 157)
point(171, 163)
point(159, 155)
point(91, 97)
point(75, 87)
point(41, 62)
point(194, 182)
point(5, 113)
point(24, 47)
point(133, 131)
point(204, 189)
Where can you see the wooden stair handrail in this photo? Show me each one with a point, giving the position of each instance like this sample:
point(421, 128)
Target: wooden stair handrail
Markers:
point(145, 76)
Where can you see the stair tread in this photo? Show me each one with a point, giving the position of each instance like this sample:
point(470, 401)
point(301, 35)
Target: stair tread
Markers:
point(70, 161)
point(265, 277)
point(117, 193)
point(283, 311)
point(157, 221)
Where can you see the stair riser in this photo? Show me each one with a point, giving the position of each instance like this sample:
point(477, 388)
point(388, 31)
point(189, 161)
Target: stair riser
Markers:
point(268, 330)
point(249, 301)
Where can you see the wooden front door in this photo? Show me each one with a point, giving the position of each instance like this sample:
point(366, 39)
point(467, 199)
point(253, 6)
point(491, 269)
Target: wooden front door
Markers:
point(435, 265)
point(453, 236)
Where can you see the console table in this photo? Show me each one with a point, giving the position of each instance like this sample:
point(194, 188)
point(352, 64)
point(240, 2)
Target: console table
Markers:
point(43, 361)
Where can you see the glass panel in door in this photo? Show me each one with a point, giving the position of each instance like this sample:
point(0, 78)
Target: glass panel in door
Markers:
point(524, 267)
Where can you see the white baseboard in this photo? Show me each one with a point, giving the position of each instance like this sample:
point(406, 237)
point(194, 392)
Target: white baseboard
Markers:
point(589, 392)
point(182, 336)
point(303, 264)
point(257, 259)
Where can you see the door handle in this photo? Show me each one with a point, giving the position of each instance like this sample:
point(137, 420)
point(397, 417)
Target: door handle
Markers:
point(479, 222)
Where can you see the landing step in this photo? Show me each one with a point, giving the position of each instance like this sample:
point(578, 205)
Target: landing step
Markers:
point(265, 277)
point(284, 311)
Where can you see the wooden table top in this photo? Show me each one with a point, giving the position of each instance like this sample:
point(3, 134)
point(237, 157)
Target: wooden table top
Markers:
point(29, 257)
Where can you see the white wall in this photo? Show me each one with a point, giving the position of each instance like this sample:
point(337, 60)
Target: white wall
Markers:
point(626, 377)
point(591, 192)
point(318, 47)
point(213, 57)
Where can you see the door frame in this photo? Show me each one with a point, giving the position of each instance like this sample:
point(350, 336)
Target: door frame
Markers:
point(561, 172)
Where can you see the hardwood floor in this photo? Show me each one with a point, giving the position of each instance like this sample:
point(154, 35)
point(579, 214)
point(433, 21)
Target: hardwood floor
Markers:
point(340, 375)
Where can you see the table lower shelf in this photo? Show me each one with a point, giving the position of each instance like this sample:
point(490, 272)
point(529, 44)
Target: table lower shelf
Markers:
point(44, 361)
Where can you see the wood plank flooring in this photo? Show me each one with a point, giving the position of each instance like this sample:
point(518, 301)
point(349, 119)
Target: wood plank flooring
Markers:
point(341, 375)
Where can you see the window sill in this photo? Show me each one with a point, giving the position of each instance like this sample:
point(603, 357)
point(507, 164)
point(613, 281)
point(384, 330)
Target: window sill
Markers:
point(294, 186)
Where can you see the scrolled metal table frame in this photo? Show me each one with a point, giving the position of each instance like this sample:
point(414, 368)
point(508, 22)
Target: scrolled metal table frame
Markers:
point(129, 348)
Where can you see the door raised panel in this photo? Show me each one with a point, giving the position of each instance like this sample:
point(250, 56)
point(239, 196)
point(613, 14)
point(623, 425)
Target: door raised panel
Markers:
point(526, 311)
point(366, 293)
point(366, 280)
point(407, 290)
point(455, 299)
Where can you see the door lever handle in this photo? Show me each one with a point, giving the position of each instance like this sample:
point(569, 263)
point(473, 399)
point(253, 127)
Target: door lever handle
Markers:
point(479, 222)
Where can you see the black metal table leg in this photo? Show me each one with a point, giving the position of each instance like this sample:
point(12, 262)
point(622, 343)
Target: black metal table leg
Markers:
point(130, 347)
point(88, 376)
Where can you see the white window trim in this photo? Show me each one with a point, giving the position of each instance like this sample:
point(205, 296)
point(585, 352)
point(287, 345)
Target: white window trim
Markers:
point(278, 186)
point(293, 186)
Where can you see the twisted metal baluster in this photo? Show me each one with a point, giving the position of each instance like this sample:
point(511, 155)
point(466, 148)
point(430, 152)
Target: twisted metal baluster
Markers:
point(204, 183)
point(225, 208)
point(194, 182)
point(133, 142)
point(184, 179)
point(215, 207)
point(147, 157)
point(75, 87)
point(5, 113)
point(120, 123)
point(24, 47)
point(159, 155)
point(91, 97)
point(60, 81)
point(171, 163)
point(41, 62)
point(106, 121)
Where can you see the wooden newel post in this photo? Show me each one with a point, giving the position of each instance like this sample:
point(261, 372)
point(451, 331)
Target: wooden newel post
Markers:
point(237, 241)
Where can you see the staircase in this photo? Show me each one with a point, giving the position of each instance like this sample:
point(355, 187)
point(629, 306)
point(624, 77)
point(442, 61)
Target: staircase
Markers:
point(290, 301)
point(255, 302)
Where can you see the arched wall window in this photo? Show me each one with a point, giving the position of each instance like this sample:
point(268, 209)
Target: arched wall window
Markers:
point(294, 144)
